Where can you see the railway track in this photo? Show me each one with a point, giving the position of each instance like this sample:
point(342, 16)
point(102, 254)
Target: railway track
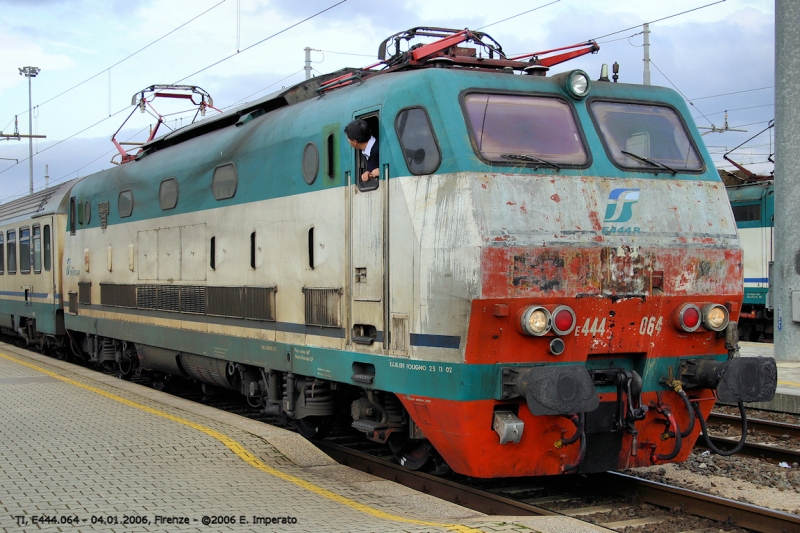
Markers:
point(635, 502)
point(777, 441)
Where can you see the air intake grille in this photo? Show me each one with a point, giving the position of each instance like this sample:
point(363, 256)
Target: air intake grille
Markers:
point(259, 303)
point(118, 295)
point(169, 298)
point(85, 292)
point(147, 297)
point(193, 299)
point(323, 307)
point(224, 301)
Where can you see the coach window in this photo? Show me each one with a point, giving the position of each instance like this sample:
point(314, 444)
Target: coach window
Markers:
point(418, 141)
point(125, 204)
point(11, 251)
point(225, 181)
point(310, 163)
point(645, 137)
point(2, 255)
point(37, 249)
point(24, 250)
point(523, 130)
point(47, 254)
point(168, 194)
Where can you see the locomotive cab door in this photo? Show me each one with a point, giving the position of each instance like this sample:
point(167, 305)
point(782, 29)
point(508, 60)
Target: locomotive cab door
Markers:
point(368, 247)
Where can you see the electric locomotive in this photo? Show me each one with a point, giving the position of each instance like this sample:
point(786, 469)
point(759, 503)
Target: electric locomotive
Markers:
point(545, 277)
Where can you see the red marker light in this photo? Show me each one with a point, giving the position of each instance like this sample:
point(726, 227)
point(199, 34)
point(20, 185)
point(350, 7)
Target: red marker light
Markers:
point(563, 320)
point(688, 318)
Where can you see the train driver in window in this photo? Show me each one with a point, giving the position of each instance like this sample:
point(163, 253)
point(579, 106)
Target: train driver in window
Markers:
point(359, 136)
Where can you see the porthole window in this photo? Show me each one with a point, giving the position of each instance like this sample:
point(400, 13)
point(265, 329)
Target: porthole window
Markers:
point(418, 141)
point(168, 193)
point(225, 181)
point(87, 212)
point(310, 163)
point(125, 204)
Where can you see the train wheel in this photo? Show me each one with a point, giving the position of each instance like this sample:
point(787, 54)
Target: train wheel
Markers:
point(411, 454)
point(313, 427)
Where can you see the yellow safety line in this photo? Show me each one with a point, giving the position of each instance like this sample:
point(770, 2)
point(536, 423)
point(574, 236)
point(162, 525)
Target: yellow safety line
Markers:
point(789, 383)
point(247, 456)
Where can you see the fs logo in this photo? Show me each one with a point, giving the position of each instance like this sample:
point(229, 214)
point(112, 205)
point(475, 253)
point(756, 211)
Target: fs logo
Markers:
point(620, 205)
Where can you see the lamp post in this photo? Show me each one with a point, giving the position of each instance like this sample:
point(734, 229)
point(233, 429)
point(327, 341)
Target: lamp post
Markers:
point(30, 72)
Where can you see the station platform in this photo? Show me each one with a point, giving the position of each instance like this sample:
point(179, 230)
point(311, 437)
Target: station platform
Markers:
point(83, 451)
point(787, 396)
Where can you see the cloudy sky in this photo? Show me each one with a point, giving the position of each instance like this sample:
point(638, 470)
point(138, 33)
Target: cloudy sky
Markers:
point(96, 54)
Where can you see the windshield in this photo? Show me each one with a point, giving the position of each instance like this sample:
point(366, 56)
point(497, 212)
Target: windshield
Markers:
point(644, 136)
point(505, 127)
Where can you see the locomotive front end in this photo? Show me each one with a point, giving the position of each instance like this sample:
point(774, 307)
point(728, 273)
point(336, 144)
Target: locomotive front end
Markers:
point(610, 284)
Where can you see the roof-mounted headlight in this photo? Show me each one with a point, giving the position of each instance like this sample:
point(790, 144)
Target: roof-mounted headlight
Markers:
point(578, 84)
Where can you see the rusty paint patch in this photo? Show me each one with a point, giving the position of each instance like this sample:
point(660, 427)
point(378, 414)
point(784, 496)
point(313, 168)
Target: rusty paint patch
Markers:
point(556, 198)
point(595, 220)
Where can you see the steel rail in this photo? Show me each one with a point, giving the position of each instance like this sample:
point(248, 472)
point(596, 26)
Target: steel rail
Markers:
point(741, 514)
point(472, 498)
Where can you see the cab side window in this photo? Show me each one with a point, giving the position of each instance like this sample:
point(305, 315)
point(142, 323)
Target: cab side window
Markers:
point(417, 140)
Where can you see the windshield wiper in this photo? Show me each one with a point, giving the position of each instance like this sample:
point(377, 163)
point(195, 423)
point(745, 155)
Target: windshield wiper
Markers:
point(531, 158)
point(651, 162)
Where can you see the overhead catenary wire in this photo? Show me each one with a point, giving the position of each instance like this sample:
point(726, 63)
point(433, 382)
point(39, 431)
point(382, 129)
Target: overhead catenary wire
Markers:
point(519, 14)
point(62, 93)
point(184, 78)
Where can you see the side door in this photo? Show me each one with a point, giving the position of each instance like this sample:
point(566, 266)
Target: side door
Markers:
point(368, 238)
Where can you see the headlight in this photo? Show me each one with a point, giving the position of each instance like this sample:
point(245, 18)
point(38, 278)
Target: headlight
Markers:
point(715, 317)
point(578, 84)
point(535, 321)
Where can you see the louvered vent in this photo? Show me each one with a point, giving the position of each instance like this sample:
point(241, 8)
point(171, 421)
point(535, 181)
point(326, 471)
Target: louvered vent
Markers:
point(224, 301)
point(73, 303)
point(169, 298)
point(147, 297)
point(85, 292)
point(259, 303)
point(118, 295)
point(323, 307)
point(193, 299)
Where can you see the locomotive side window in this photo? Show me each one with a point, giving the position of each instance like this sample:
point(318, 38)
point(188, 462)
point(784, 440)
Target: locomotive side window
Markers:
point(47, 253)
point(2, 255)
point(310, 163)
point(125, 204)
point(645, 137)
point(331, 156)
point(225, 181)
point(24, 250)
point(87, 212)
point(73, 213)
point(11, 249)
point(418, 141)
point(37, 249)
point(168, 194)
point(524, 130)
